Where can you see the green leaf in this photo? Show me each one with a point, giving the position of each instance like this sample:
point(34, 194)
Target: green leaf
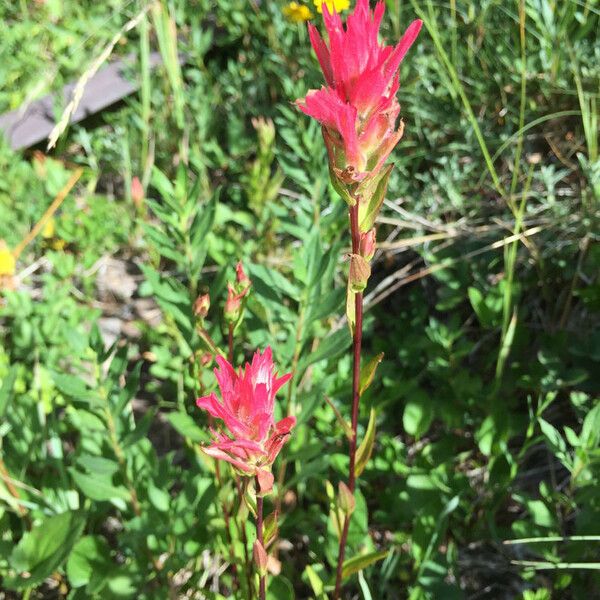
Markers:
point(270, 528)
point(590, 431)
point(90, 556)
point(362, 561)
point(374, 193)
point(160, 499)
point(7, 389)
point(367, 372)
point(72, 386)
point(186, 426)
point(99, 489)
point(363, 454)
point(43, 549)
point(98, 465)
point(557, 443)
point(350, 308)
point(417, 415)
point(316, 583)
point(483, 312)
point(346, 427)
point(265, 280)
point(333, 345)
point(325, 305)
point(279, 588)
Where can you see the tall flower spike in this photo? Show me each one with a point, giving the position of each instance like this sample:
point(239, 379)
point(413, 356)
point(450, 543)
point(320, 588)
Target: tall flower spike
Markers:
point(358, 107)
point(252, 439)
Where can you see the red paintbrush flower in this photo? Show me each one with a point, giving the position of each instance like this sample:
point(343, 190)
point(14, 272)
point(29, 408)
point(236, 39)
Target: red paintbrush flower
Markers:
point(253, 439)
point(358, 108)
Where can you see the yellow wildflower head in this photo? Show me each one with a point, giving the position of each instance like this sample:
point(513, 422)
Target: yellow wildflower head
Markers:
point(7, 260)
point(49, 228)
point(297, 12)
point(332, 5)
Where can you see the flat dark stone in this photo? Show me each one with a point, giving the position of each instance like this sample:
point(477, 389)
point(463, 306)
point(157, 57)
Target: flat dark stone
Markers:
point(25, 127)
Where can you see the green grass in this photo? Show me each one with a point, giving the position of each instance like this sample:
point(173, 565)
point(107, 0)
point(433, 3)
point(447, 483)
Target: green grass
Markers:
point(485, 301)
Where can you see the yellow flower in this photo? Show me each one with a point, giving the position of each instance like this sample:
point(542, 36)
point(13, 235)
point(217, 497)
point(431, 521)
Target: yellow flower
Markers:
point(337, 5)
point(7, 260)
point(49, 228)
point(297, 12)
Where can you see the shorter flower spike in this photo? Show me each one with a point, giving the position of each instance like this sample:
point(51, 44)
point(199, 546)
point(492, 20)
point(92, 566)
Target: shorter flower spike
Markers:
point(201, 305)
point(252, 439)
point(137, 191)
point(242, 280)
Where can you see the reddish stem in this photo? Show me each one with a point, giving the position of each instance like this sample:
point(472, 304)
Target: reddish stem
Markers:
point(259, 537)
point(356, 347)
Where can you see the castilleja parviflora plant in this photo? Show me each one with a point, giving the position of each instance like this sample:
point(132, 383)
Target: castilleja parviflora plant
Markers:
point(245, 433)
point(358, 111)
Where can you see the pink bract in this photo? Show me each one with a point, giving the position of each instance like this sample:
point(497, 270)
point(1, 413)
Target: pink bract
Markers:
point(253, 439)
point(358, 108)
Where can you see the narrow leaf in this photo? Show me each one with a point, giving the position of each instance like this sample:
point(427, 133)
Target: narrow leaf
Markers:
point(358, 563)
point(363, 454)
point(367, 373)
point(340, 419)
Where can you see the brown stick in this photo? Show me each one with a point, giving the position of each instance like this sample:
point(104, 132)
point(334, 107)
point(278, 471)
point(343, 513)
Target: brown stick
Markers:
point(11, 488)
point(48, 214)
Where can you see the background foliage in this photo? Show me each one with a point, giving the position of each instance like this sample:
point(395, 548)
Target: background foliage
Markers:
point(485, 301)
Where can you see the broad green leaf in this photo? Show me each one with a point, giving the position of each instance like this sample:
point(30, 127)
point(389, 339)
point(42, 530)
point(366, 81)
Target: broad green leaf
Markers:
point(44, 549)
point(326, 305)
point(90, 556)
point(271, 279)
point(279, 588)
point(160, 499)
point(73, 386)
point(362, 561)
point(99, 488)
point(186, 426)
point(98, 465)
point(367, 372)
point(363, 454)
point(417, 415)
point(333, 345)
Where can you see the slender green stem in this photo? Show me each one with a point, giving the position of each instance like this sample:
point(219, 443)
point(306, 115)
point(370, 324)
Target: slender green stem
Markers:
point(523, 98)
point(554, 538)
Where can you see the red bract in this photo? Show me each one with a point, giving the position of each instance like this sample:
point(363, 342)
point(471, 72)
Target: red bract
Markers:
point(253, 439)
point(358, 109)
